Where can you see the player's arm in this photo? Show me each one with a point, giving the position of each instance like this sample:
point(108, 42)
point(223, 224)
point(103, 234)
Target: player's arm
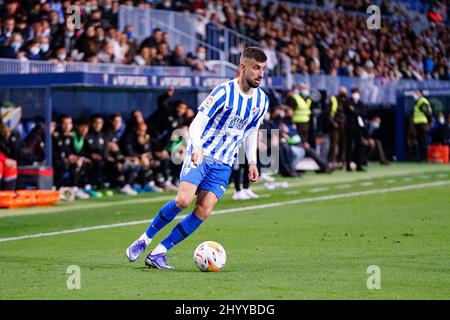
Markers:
point(251, 146)
point(209, 107)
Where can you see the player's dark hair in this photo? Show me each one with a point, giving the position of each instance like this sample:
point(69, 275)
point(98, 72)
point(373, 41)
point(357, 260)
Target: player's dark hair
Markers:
point(254, 53)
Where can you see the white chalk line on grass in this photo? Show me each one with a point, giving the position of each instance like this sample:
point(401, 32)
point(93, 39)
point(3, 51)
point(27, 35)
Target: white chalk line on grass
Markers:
point(89, 206)
point(239, 209)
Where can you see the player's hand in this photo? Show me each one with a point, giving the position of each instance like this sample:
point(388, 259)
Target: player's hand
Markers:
point(197, 156)
point(253, 173)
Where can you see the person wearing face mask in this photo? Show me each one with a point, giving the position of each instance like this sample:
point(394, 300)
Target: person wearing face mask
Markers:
point(354, 126)
point(373, 142)
point(44, 48)
point(302, 111)
point(12, 45)
point(34, 51)
point(422, 119)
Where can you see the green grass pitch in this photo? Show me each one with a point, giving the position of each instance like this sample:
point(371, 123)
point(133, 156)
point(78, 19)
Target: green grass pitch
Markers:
point(316, 248)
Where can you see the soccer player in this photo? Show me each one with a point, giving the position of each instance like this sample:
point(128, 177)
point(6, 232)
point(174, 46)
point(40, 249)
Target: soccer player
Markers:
point(229, 116)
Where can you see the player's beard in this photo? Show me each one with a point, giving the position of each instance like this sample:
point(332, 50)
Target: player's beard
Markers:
point(252, 83)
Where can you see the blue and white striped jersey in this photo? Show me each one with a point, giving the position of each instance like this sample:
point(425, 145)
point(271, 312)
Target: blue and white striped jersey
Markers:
point(229, 115)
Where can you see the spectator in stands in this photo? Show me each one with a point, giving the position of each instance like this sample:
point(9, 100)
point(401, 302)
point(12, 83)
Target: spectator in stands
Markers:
point(144, 58)
point(162, 55)
point(44, 48)
point(34, 50)
point(271, 54)
point(87, 43)
point(9, 152)
point(197, 60)
point(8, 29)
point(106, 55)
point(128, 47)
point(154, 40)
point(65, 37)
point(11, 46)
point(59, 56)
point(306, 36)
point(178, 57)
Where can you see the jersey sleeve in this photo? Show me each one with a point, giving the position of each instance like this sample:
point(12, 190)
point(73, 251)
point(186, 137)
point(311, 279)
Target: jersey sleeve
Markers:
point(214, 102)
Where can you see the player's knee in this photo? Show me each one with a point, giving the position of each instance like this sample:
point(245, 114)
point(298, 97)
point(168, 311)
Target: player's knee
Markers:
point(202, 212)
point(182, 201)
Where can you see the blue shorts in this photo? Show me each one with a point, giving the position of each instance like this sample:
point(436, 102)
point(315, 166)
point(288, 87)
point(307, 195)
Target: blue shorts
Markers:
point(211, 175)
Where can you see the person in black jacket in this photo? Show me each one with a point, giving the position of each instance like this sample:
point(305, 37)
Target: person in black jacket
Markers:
point(96, 150)
point(354, 125)
point(33, 146)
point(117, 173)
point(169, 116)
point(68, 161)
point(137, 149)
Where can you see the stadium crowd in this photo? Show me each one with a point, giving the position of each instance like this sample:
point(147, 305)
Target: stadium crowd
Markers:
point(317, 42)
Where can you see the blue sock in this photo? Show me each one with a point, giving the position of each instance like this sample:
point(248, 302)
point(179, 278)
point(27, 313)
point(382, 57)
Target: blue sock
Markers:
point(182, 230)
point(165, 215)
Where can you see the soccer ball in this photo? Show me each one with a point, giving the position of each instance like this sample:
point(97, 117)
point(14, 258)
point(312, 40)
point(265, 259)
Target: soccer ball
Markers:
point(210, 256)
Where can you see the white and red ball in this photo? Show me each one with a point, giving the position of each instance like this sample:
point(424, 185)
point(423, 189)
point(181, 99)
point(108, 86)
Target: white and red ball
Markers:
point(210, 256)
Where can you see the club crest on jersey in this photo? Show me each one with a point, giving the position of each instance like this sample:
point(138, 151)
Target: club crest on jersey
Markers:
point(237, 123)
point(186, 171)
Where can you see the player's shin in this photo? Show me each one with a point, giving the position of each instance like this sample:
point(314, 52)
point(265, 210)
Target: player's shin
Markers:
point(165, 215)
point(182, 230)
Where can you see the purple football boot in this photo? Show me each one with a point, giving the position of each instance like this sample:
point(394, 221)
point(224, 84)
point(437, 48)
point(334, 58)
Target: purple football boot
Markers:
point(135, 250)
point(157, 261)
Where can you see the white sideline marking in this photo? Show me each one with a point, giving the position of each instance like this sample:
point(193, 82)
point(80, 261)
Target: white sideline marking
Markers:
point(390, 181)
point(315, 190)
point(343, 186)
point(240, 209)
point(366, 183)
point(292, 192)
